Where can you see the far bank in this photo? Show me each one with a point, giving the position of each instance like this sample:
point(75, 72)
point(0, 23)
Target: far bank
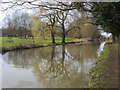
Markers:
point(16, 43)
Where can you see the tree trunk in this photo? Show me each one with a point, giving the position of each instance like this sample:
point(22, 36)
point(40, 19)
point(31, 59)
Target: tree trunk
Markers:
point(63, 34)
point(63, 58)
point(63, 38)
point(113, 38)
point(53, 53)
point(63, 52)
point(118, 39)
point(53, 37)
point(33, 39)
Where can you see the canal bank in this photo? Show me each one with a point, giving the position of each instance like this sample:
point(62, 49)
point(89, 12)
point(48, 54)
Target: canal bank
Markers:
point(15, 43)
point(104, 74)
point(30, 46)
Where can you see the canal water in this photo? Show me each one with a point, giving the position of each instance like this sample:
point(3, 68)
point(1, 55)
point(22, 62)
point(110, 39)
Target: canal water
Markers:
point(63, 66)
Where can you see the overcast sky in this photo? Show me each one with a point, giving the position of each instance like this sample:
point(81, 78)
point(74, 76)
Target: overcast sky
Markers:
point(2, 15)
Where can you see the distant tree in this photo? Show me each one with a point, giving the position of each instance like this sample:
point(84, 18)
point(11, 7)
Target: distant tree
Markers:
point(90, 31)
point(75, 28)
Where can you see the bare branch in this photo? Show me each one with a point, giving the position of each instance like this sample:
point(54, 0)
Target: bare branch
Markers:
point(38, 5)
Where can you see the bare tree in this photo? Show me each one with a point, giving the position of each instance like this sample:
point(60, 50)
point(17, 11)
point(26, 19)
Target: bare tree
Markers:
point(57, 16)
point(50, 15)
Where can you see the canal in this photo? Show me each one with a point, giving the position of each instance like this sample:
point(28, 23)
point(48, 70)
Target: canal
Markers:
point(63, 66)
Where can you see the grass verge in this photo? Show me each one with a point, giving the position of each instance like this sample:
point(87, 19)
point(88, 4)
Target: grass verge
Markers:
point(97, 72)
point(15, 41)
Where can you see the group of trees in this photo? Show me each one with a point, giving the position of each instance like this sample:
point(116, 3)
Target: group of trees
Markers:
point(60, 19)
point(90, 31)
point(106, 14)
point(18, 25)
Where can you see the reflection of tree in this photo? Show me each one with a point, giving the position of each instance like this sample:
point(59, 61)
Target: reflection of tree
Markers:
point(74, 51)
point(59, 72)
point(25, 58)
point(86, 51)
point(21, 59)
point(57, 66)
point(89, 51)
point(86, 54)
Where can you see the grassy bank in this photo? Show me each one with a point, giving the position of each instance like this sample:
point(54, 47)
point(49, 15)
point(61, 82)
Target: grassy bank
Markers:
point(97, 72)
point(100, 70)
point(15, 41)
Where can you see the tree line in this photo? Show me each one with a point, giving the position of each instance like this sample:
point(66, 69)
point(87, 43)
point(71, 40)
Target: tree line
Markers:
point(63, 19)
point(17, 25)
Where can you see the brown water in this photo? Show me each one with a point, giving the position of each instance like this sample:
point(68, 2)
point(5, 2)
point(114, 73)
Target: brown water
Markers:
point(64, 66)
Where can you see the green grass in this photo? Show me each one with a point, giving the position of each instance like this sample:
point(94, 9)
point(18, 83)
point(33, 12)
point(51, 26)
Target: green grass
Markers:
point(16, 41)
point(22, 41)
point(97, 72)
point(109, 41)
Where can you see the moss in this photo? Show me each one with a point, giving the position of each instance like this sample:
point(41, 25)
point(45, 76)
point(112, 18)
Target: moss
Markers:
point(97, 72)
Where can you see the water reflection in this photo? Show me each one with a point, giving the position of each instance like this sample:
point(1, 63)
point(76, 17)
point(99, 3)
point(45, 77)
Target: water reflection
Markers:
point(63, 66)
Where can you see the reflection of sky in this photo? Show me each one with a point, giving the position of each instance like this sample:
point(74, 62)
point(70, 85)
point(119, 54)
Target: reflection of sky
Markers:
point(23, 76)
point(0, 71)
point(101, 48)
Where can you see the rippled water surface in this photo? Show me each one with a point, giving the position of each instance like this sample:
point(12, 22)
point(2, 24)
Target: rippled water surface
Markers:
point(64, 66)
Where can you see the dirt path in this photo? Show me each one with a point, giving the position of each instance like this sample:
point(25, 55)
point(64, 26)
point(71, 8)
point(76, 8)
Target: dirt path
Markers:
point(111, 75)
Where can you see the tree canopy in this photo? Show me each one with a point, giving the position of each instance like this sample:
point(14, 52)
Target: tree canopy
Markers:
point(106, 14)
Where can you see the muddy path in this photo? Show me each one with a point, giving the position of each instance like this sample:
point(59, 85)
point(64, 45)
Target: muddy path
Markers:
point(111, 74)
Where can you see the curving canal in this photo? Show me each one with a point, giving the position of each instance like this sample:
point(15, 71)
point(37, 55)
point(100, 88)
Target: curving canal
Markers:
point(64, 66)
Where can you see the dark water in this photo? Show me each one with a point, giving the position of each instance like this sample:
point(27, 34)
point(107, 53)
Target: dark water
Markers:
point(65, 66)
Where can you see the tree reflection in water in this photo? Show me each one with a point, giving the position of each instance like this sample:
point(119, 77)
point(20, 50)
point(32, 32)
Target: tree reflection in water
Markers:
point(63, 66)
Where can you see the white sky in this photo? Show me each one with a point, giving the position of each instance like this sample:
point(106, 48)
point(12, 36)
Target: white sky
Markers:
point(10, 11)
point(2, 15)
point(105, 34)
